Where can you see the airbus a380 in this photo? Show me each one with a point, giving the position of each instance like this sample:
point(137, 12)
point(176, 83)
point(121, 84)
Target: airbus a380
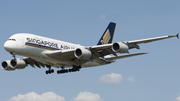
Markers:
point(45, 52)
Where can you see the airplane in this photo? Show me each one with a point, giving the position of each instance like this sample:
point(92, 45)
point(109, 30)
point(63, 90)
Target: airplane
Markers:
point(46, 52)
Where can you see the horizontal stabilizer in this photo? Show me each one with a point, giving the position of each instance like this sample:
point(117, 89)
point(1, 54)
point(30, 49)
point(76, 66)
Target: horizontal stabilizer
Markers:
point(123, 56)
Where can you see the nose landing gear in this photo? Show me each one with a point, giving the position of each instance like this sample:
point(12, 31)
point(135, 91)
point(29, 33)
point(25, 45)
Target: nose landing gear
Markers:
point(14, 55)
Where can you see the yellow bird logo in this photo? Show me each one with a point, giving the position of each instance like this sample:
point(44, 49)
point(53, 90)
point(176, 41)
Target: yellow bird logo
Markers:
point(106, 37)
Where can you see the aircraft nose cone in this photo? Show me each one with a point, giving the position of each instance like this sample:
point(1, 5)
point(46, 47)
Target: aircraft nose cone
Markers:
point(7, 46)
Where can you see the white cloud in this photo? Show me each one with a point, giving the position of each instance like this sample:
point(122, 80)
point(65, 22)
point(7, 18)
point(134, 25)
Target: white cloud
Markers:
point(131, 79)
point(87, 96)
point(111, 78)
point(178, 99)
point(102, 17)
point(32, 96)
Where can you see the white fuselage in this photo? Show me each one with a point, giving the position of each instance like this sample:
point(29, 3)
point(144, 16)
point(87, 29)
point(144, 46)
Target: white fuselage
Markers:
point(34, 46)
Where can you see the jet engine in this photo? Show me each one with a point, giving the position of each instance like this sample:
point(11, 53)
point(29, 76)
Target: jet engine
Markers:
point(13, 64)
point(120, 47)
point(6, 65)
point(82, 53)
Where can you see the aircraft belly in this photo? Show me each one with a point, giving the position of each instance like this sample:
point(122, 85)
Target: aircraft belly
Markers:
point(96, 62)
point(54, 63)
point(90, 64)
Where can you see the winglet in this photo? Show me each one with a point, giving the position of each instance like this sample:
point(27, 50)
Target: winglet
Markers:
point(177, 35)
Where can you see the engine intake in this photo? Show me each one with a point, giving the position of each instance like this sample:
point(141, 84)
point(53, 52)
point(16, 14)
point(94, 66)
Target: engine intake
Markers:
point(18, 63)
point(6, 66)
point(82, 53)
point(120, 47)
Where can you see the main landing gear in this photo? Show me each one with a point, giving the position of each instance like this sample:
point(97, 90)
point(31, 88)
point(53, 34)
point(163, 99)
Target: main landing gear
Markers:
point(50, 70)
point(62, 71)
point(74, 69)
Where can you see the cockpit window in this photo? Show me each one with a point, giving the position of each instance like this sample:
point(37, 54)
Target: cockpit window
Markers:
point(12, 39)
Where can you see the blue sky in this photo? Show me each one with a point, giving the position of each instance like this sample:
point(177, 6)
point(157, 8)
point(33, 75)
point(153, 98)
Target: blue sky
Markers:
point(151, 77)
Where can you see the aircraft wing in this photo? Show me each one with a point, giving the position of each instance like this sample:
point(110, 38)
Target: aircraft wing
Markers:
point(65, 56)
point(123, 56)
point(133, 44)
point(101, 50)
point(62, 55)
point(33, 62)
point(106, 49)
point(150, 39)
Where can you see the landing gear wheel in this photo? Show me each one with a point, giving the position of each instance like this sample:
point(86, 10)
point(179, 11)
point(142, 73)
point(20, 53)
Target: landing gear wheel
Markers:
point(58, 72)
point(47, 72)
point(66, 71)
point(52, 70)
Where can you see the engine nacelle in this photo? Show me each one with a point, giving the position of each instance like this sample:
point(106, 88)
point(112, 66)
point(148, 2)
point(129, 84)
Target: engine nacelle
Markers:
point(120, 47)
point(82, 53)
point(6, 66)
point(13, 64)
point(18, 63)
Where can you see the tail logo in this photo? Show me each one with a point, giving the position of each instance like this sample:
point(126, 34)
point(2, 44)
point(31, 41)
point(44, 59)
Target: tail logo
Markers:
point(106, 37)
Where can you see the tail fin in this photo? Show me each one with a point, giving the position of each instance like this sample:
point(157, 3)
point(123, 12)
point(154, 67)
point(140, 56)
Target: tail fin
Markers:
point(108, 35)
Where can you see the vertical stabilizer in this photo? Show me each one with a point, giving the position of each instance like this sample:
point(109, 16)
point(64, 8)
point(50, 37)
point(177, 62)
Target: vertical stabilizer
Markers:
point(108, 35)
